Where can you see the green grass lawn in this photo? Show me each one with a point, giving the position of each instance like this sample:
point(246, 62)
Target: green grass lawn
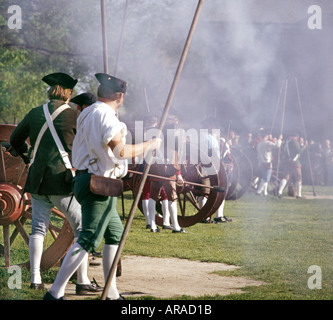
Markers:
point(272, 240)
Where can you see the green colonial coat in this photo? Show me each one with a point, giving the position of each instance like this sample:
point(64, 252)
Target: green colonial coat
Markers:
point(47, 175)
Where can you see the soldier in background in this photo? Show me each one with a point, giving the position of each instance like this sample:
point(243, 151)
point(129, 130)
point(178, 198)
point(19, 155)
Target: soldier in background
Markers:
point(167, 167)
point(84, 100)
point(149, 122)
point(265, 158)
point(291, 163)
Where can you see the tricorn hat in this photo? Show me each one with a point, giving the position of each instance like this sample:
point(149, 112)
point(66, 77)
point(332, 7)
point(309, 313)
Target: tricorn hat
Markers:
point(59, 78)
point(117, 85)
point(86, 98)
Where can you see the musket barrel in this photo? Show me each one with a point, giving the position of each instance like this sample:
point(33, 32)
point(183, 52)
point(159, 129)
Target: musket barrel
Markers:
point(216, 188)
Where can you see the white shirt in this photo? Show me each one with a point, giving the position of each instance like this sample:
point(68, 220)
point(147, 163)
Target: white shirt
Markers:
point(264, 150)
point(209, 153)
point(98, 125)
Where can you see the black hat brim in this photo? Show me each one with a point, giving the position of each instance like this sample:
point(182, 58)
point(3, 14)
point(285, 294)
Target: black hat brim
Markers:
point(86, 98)
point(59, 78)
point(116, 84)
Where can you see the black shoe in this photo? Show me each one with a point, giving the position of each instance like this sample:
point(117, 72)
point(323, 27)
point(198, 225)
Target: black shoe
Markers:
point(49, 296)
point(179, 231)
point(37, 286)
point(219, 220)
point(155, 230)
point(167, 227)
point(87, 288)
point(148, 226)
point(225, 219)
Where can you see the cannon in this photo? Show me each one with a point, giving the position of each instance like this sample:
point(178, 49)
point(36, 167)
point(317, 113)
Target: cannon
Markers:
point(15, 212)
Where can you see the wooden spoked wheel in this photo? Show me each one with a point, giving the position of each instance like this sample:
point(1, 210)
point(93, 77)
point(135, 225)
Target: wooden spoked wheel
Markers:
point(16, 215)
point(190, 210)
point(242, 175)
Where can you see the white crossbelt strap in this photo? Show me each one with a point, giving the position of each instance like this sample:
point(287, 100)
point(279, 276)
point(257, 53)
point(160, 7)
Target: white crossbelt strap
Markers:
point(63, 153)
point(45, 126)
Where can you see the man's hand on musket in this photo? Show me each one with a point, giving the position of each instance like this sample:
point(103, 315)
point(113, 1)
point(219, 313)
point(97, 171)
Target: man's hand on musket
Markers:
point(179, 180)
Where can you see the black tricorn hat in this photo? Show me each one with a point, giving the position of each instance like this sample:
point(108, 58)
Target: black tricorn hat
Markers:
point(117, 85)
point(59, 78)
point(86, 98)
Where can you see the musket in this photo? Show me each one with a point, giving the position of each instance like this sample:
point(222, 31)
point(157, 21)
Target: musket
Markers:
point(305, 138)
point(146, 98)
point(121, 39)
point(149, 157)
point(276, 109)
point(105, 46)
point(282, 125)
point(215, 188)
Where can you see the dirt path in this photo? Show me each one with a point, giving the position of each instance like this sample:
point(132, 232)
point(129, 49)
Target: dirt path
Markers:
point(157, 277)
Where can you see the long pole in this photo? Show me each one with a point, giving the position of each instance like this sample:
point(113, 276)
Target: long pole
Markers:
point(149, 158)
point(121, 39)
point(146, 98)
point(281, 131)
point(305, 137)
point(105, 45)
point(276, 108)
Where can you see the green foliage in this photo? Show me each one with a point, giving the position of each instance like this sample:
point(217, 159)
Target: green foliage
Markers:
point(67, 37)
point(43, 45)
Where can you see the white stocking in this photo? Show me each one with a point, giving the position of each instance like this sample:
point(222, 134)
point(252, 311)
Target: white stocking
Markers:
point(166, 213)
point(35, 254)
point(265, 188)
point(82, 272)
point(145, 210)
point(202, 201)
point(283, 183)
point(173, 215)
point(74, 257)
point(152, 210)
point(219, 212)
point(109, 253)
point(261, 186)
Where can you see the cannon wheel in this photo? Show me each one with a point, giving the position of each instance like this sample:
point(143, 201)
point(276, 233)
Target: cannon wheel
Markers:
point(15, 218)
point(190, 211)
point(242, 176)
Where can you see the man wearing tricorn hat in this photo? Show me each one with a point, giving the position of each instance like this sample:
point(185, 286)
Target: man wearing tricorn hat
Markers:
point(84, 100)
point(99, 148)
point(48, 181)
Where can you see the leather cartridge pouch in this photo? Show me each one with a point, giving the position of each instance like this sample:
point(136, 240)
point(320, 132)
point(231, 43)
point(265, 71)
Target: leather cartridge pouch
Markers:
point(106, 186)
